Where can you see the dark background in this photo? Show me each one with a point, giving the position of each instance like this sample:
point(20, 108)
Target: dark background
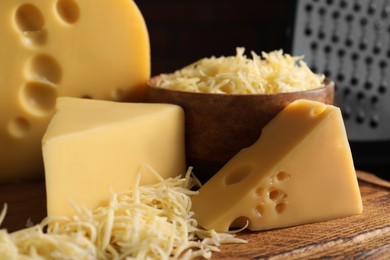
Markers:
point(183, 31)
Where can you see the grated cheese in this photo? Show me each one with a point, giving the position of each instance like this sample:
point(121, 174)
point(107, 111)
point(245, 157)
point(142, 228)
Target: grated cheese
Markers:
point(146, 222)
point(273, 72)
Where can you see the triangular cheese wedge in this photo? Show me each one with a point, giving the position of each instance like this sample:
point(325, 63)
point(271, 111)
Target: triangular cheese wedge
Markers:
point(92, 148)
point(299, 171)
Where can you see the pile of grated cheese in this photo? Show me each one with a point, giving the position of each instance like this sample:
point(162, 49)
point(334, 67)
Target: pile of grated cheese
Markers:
point(273, 72)
point(146, 222)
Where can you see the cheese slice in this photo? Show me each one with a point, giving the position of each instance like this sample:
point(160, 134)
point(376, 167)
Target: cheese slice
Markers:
point(97, 49)
point(93, 148)
point(299, 171)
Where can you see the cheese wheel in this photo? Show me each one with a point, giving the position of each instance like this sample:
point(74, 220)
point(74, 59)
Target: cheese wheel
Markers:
point(93, 49)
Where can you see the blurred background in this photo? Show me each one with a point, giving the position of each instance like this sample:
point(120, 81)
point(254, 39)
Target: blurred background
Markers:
point(182, 32)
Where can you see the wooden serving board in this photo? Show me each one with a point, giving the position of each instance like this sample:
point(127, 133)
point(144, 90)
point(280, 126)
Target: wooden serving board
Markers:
point(366, 236)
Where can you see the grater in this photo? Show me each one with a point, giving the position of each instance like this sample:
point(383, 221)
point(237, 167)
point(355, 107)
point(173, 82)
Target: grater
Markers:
point(349, 42)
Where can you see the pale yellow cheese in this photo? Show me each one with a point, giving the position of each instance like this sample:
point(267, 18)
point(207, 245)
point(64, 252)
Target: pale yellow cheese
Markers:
point(92, 148)
point(273, 72)
point(145, 222)
point(299, 171)
point(97, 49)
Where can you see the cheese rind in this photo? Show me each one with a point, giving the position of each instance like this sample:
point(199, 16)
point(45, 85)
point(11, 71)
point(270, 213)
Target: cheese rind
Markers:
point(50, 49)
point(92, 148)
point(299, 171)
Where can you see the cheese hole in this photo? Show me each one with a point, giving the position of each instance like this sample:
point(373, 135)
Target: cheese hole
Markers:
point(30, 22)
point(35, 38)
point(280, 207)
point(260, 191)
point(259, 210)
point(282, 176)
point(238, 175)
point(39, 98)
point(239, 223)
point(276, 194)
point(19, 127)
point(68, 10)
point(29, 19)
point(45, 68)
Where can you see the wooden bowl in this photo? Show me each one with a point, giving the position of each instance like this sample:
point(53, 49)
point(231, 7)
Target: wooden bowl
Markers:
point(219, 125)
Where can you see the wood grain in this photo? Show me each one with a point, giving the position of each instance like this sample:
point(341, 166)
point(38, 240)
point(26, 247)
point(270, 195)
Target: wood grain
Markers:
point(365, 236)
point(371, 178)
point(25, 201)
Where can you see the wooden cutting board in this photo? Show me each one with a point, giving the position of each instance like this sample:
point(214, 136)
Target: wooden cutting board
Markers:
point(366, 236)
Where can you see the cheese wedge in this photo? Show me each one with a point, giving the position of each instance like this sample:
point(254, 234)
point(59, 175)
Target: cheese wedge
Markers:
point(97, 49)
point(299, 171)
point(93, 148)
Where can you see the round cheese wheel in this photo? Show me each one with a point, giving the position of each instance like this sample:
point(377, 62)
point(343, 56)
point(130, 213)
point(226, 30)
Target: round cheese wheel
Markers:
point(89, 49)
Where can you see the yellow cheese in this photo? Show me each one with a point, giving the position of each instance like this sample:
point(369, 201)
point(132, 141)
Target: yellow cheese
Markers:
point(145, 222)
point(299, 171)
point(97, 49)
point(273, 72)
point(92, 148)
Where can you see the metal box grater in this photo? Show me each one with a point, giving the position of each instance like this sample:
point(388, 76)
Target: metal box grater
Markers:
point(349, 41)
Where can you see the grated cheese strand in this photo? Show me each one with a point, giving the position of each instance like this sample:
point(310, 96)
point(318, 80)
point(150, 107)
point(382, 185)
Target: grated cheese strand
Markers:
point(146, 222)
point(273, 72)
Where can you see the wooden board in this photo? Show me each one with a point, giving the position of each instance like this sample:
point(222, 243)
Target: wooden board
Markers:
point(366, 236)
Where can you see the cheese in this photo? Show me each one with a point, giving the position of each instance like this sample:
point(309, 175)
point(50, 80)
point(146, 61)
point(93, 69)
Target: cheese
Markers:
point(97, 49)
point(94, 147)
point(299, 171)
point(144, 222)
point(273, 72)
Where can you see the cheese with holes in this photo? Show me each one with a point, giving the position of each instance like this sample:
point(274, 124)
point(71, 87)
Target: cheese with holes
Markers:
point(146, 222)
point(92, 148)
point(299, 171)
point(97, 49)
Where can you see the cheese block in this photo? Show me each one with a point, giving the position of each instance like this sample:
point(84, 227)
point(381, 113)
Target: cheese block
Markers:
point(92, 148)
point(97, 49)
point(299, 171)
